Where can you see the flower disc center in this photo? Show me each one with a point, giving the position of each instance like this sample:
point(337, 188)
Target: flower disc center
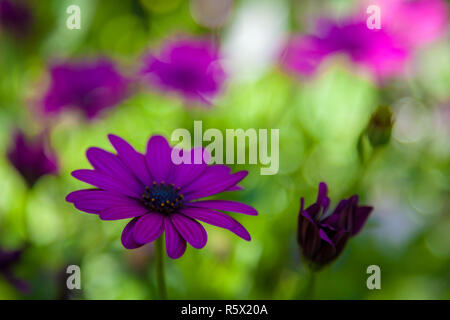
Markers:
point(163, 198)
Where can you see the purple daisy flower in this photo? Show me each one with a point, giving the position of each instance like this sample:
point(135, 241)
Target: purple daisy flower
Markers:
point(32, 158)
point(158, 194)
point(375, 50)
point(190, 68)
point(15, 17)
point(89, 87)
point(323, 237)
point(7, 261)
point(415, 23)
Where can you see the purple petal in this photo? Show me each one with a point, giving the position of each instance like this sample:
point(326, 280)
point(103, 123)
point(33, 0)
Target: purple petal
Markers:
point(225, 205)
point(362, 214)
point(235, 188)
point(158, 157)
point(308, 237)
point(209, 216)
point(118, 212)
point(310, 212)
point(323, 190)
point(101, 195)
point(211, 173)
point(185, 173)
point(100, 204)
point(148, 228)
point(325, 237)
point(239, 230)
point(127, 236)
point(214, 186)
point(104, 181)
point(94, 200)
point(110, 164)
point(175, 244)
point(322, 196)
point(339, 212)
point(133, 159)
point(192, 231)
point(217, 219)
point(80, 194)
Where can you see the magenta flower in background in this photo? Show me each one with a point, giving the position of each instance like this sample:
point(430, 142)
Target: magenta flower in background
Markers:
point(15, 17)
point(374, 50)
point(32, 157)
point(8, 259)
point(189, 68)
point(159, 195)
point(323, 237)
point(89, 87)
point(414, 23)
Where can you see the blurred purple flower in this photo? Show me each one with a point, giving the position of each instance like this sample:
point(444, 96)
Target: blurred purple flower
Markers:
point(32, 158)
point(90, 87)
point(158, 194)
point(323, 237)
point(15, 17)
point(375, 50)
point(7, 261)
point(190, 68)
point(414, 23)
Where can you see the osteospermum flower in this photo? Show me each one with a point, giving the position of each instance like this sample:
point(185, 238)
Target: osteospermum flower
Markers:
point(415, 23)
point(189, 68)
point(375, 50)
point(323, 237)
point(159, 195)
point(8, 259)
point(32, 158)
point(89, 87)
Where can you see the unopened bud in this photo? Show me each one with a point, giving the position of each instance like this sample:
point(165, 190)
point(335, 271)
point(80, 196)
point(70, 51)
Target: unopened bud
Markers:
point(380, 126)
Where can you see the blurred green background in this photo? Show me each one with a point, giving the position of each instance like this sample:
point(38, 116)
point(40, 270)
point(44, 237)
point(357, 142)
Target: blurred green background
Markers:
point(321, 123)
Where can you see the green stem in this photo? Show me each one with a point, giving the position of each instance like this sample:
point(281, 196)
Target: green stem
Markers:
point(363, 171)
point(24, 215)
point(310, 286)
point(160, 277)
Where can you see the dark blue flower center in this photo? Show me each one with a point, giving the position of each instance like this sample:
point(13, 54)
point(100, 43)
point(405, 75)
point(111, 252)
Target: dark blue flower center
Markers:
point(163, 198)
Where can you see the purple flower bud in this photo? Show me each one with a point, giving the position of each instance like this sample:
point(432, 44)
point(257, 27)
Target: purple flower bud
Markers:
point(380, 126)
point(15, 17)
point(32, 158)
point(7, 261)
point(323, 237)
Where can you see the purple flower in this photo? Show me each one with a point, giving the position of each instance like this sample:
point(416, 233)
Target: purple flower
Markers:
point(190, 68)
point(414, 23)
point(90, 87)
point(32, 157)
point(15, 17)
point(7, 261)
point(374, 50)
point(159, 195)
point(322, 237)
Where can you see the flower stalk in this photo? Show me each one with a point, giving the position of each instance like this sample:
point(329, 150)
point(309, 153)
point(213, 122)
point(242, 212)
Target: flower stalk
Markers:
point(310, 286)
point(160, 274)
point(24, 215)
